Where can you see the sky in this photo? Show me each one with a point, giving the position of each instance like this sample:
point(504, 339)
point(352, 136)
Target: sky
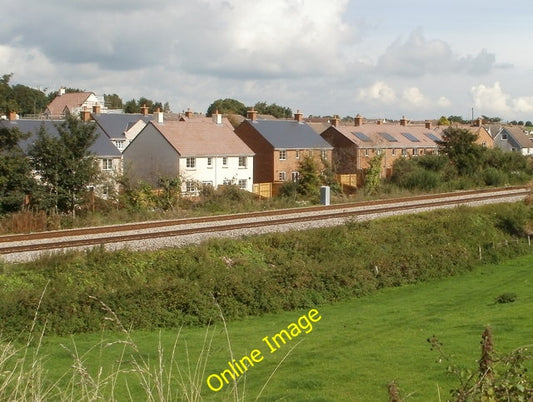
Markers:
point(421, 59)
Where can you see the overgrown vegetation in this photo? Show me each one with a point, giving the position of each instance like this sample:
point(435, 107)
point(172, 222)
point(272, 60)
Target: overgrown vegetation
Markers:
point(257, 275)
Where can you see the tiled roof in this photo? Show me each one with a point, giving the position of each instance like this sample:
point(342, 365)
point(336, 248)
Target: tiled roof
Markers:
point(115, 124)
point(391, 136)
point(202, 137)
point(102, 147)
point(288, 134)
point(523, 140)
point(69, 100)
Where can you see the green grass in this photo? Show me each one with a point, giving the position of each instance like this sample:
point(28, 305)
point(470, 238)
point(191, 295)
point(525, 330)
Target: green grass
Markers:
point(352, 353)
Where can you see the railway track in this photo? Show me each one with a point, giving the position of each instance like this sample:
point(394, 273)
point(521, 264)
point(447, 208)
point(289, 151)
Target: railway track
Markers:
point(182, 231)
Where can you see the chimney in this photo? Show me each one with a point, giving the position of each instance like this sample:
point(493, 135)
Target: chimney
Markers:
point(144, 110)
point(96, 109)
point(61, 91)
point(335, 121)
point(252, 114)
point(427, 124)
point(12, 115)
point(85, 114)
point(358, 120)
point(217, 117)
point(379, 122)
point(158, 115)
point(299, 116)
point(479, 121)
point(403, 121)
point(188, 113)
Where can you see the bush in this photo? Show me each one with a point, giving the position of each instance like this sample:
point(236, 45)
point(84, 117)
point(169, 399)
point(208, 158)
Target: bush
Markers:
point(506, 298)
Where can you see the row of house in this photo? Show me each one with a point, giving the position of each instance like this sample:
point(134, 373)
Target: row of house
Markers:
point(209, 151)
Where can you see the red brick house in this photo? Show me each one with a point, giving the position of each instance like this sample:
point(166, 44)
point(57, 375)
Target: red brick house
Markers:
point(280, 145)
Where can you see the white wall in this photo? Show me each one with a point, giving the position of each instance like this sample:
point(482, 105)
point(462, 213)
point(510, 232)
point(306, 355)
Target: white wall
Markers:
point(218, 173)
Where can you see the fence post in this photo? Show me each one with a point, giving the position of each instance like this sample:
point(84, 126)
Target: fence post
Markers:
point(479, 249)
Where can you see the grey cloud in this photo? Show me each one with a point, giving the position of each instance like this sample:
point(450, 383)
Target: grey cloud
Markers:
point(418, 56)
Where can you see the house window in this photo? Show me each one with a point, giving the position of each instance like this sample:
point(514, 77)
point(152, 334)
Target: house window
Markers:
point(190, 186)
point(242, 184)
point(209, 162)
point(242, 161)
point(225, 161)
point(366, 152)
point(107, 164)
point(297, 154)
point(191, 163)
point(120, 145)
point(282, 176)
point(404, 152)
point(393, 152)
point(295, 176)
point(324, 155)
point(227, 182)
point(504, 136)
point(282, 155)
point(484, 144)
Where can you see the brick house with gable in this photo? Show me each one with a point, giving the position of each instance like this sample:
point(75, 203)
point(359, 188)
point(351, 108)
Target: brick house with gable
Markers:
point(280, 145)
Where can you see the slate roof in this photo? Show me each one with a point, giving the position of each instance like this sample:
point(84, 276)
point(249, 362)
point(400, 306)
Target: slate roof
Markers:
point(202, 137)
point(69, 100)
point(101, 148)
point(114, 125)
point(289, 134)
point(517, 133)
point(391, 136)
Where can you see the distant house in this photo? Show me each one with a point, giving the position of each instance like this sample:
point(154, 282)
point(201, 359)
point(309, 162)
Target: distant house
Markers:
point(121, 128)
point(201, 151)
point(512, 138)
point(280, 145)
point(107, 156)
point(73, 103)
point(354, 145)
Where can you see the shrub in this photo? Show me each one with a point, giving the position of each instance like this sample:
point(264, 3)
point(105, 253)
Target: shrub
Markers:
point(506, 298)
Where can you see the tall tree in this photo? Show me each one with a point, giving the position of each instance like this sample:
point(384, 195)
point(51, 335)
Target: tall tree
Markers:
point(65, 163)
point(227, 106)
point(277, 111)
point(16, 179)
point(459, 144)
point(113, 101)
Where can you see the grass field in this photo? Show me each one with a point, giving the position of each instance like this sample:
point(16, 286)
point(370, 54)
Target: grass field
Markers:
point(351, 353)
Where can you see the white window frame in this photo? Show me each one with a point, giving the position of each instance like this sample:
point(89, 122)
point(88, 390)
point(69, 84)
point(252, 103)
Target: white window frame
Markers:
point(282, 155)
point(295, 176)
point(107, 164)
point(190, 163)
point(242, 184)
point(242, 161)
point(225, 161)
point(282, 176)
point(297, 154)
point(190, 187)
point(209, 161)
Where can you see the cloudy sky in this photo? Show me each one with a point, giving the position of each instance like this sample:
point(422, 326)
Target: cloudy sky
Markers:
point(381, 58)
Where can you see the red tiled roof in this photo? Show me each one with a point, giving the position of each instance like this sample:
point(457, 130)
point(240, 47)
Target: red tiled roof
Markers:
point(68, 100)
point(201, 136)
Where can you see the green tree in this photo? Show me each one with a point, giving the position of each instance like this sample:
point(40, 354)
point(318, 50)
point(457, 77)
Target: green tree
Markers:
point(113, 101)
point(373, 175)
point(16, 179)
point(308, 178)
point(460, 147)
point(65, 163)
point(443, 121)
point(277, 111)
point(227, 106)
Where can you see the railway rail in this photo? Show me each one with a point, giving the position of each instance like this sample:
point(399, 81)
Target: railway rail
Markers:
point(147, 235)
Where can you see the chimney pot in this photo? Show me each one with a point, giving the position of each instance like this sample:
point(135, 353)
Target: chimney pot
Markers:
point(252, 114)
point(428, 124)
point(96, 109)
point(144, 110)
point(335, 121)
point(358, 120)
point(85, 114)
point(299, 116)
point(188, 113)
point(403, 121)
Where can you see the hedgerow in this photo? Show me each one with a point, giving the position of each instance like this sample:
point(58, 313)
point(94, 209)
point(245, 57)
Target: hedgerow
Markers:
point(257, 274)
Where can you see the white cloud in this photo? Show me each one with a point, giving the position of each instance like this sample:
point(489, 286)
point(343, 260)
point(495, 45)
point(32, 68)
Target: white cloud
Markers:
point(494, 100)
point(418, 56)
point(379, 92)
point(414, 96)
